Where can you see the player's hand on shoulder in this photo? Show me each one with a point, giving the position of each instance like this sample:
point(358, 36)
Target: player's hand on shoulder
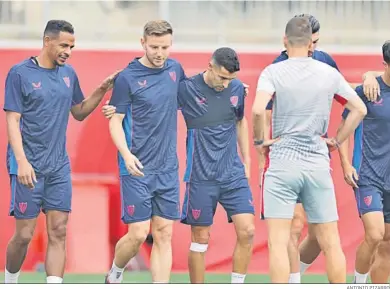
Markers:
point(108, 83)
point(371, 87)
point(350, 175)
point(108, 110)
point(133, 165)
point(26, 174)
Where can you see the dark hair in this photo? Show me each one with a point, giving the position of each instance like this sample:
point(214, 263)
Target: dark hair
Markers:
point(298, 31)
point(227, 58)
point(315, 25)
point(54, 27)
point(157, 28)
point(386, 51)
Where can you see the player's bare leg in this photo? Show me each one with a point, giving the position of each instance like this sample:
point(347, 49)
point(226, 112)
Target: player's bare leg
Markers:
point(297, 224)
point(380, 269)
point(56, 222)
point(309, 249)
point(245, 231)
point(329, 240)
point(126, 248)
point(374, 230)
point(278, 239)
point(199, 243)
point(161, 256)
point(17, 248)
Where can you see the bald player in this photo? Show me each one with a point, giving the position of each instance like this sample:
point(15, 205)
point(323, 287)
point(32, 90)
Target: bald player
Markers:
point(302, 103)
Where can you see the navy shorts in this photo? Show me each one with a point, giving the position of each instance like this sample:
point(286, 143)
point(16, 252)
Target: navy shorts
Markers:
point(373, 199)
point(151, 195)
point(201, 199)
point(51, 192)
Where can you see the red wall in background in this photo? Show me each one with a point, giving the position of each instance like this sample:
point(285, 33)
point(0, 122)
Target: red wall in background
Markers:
point(92, 152)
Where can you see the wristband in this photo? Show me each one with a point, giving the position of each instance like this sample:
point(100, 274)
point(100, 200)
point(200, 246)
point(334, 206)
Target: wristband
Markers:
point(258, 142)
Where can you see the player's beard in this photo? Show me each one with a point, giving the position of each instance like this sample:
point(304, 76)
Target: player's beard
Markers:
point(152, 61)
point(61, 60)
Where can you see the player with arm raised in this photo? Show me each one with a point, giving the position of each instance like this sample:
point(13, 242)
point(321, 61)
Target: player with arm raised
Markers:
point(303, 90)
point(144, 129)
point(39, 93)
point(369, 175)
point(303, 255)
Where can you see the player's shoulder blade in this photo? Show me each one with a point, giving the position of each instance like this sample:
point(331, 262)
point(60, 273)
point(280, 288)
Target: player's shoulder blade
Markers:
point(320, 53)
point(236, 84)
point(20, 66)
point(68, 68)
point(281, 57)
point(172, 62)
point(192, 81)
point(324, 57)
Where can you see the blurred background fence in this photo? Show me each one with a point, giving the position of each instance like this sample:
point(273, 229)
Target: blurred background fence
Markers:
point(199, 22)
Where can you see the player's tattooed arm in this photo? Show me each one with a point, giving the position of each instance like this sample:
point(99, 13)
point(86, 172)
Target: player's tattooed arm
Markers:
point(243, 143)
point(259, 118)
point(350, 174)
point(265, 90)
point(259, 115)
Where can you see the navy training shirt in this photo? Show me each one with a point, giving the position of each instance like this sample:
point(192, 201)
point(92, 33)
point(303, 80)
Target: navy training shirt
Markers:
point(211, 119)
point(371, 153)
point(317, 55)
point(148, 98)
point(44, 98)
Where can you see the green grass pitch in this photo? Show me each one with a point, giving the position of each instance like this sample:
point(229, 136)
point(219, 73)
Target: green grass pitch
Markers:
point(145, 277)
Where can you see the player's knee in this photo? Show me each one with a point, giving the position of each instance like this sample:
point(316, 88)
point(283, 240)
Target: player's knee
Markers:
point(57, 233)
point(246, 234)
point(23, 236)
point(374, 237)
point(384, 249)
point(200, 235)
point(328, 237)
point(296, 229)
point(162, 234)
point(138, 233)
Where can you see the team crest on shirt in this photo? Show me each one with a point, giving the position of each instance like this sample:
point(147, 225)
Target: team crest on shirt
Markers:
point(22, 207)
point(172, 74)
point(234, 100)
point(67, 81)
point(196, 213)
point(368, 200)
point(378, 102)
point(130, 210)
